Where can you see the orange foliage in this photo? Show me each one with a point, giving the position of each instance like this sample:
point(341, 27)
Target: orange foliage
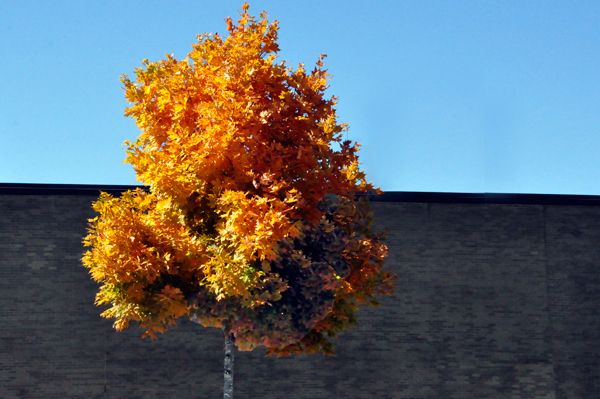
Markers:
point(237, 151)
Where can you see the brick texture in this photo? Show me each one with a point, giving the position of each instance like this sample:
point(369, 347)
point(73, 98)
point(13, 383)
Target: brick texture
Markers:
point(494, 301)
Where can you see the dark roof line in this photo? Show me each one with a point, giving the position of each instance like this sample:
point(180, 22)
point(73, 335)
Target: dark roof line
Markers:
point(93, 190)
point(487, 198)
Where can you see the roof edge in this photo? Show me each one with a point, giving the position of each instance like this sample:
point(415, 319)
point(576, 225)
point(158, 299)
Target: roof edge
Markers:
point(94, 190)
point(486, 198)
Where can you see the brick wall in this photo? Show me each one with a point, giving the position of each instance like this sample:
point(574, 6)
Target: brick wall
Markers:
point(494, 301)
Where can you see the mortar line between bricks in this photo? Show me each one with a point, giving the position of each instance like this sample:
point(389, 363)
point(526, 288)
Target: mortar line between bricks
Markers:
point(105, 355)
point(548, 300)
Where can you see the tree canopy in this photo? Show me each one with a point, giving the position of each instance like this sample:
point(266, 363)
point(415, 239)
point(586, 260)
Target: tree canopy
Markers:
point(253, 221)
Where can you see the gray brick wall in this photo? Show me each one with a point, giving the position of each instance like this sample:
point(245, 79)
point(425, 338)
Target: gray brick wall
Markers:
point(494, 301)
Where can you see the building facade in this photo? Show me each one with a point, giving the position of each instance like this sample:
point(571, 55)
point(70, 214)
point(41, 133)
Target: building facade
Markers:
point(498, 297)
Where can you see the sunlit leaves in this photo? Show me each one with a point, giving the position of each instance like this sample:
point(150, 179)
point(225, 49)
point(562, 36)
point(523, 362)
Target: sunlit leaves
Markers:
point(235, 231)
point(140, 245)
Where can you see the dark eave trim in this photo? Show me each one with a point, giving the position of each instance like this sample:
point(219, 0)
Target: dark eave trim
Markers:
point(487, 198)
point(93, 190)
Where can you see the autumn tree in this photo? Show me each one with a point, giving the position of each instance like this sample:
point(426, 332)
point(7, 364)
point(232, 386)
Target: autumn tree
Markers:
point(253, 222)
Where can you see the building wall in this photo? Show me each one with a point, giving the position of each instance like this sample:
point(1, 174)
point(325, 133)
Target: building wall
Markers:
point(495, 300)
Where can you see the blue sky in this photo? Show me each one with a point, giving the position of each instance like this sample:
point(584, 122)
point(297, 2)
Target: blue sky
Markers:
point(445, 96)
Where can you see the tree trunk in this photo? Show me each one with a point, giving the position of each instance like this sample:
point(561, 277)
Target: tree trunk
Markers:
point(228, 372)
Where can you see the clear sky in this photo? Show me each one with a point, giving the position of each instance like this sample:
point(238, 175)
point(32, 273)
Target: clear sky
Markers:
point(445, 96)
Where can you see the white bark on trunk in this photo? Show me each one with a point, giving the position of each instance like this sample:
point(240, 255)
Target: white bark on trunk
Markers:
point(228, 372)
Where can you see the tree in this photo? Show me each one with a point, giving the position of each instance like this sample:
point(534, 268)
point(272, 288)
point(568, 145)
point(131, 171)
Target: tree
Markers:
point(252, 222)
